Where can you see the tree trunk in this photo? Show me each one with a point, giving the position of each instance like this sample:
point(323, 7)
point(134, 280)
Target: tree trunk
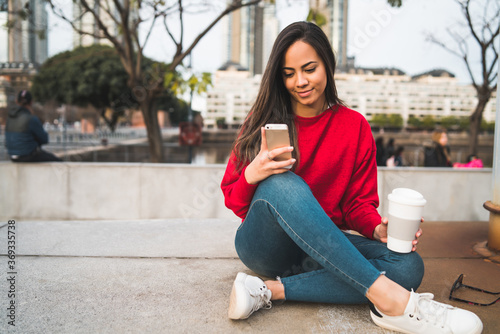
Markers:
point(155, 139)
point(475, 121)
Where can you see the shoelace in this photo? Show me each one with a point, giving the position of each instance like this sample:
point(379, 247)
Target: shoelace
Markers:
point(262, 299)
point(431, 311)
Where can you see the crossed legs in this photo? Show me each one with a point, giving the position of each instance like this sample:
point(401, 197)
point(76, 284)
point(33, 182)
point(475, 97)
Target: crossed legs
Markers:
point(286, 233)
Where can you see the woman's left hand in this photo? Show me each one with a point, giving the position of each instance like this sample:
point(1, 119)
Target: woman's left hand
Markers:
point(380, 233)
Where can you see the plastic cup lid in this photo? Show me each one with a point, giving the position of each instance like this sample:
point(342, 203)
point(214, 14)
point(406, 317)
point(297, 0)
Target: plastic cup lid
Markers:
point(407, 196)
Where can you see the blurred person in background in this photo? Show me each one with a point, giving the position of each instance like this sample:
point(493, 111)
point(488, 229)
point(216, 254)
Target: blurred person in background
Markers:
point(472, 162)
point(24, 133)
point(379, 143)
point(389, 149)
point(438, 154)
point(396, 160)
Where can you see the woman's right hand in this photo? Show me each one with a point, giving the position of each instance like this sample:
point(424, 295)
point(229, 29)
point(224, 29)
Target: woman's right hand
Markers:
point(263, 165)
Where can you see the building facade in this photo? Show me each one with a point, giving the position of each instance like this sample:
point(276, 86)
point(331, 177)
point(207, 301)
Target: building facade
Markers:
point(86, 22)
point(4, 34)
point(232, 96)
point(249, 34)
point(390, 91)
point(335, 28)
point(24, 47)
point(26, 41)
point(368, 91)
point(7, 99)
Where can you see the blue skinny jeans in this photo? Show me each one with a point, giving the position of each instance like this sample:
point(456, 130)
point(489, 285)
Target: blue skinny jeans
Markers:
point(286, 233)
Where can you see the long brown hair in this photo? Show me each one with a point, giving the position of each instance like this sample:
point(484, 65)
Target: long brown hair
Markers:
point(436, 137)
point(273, 103)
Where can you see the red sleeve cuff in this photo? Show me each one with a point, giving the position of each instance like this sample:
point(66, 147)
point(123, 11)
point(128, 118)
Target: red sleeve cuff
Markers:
point(245, 189)
point(368, 227)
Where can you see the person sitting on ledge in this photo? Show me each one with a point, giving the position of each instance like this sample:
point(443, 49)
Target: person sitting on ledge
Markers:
point(473, 162)
point(296, 222)
point(24, 133)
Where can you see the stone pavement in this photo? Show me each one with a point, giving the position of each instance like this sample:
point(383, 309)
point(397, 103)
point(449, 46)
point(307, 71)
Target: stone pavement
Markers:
point(175, 276)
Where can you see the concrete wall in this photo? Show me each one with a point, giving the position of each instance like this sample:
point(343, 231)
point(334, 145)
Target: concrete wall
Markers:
point(101, 191)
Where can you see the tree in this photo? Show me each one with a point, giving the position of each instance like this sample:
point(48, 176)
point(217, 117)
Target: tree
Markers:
point(395, 121)
point(414, 122)
point(482, 26)
point(380, 120)
point(488, 126)
point(449, 122)
point(130, 17)
point(428, 122)
point(177, 109)
point(395, 3)
point(315, 15)
point(87, 75)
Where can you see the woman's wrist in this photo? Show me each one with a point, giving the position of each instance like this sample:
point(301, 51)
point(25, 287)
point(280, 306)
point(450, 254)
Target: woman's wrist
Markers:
point(249, 175)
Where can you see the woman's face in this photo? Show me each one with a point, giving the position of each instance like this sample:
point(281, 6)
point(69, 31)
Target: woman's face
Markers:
point(305, 79)
point(443, 140)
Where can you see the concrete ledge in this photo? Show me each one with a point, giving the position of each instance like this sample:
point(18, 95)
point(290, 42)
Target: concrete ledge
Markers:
point(99, 191)
point(129, 191)
point(451, 194)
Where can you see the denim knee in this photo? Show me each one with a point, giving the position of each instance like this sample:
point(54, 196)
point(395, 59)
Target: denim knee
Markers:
point(409, 271)
point(282, 180)
point(284, 183)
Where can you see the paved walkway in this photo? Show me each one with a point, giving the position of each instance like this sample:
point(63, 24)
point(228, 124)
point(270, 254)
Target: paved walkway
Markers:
point(175, 276)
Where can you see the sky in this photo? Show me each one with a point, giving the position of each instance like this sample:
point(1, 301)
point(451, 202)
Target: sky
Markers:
point(378, 35)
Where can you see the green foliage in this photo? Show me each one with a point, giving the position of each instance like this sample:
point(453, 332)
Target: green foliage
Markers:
point(94, 75)
point(197, 83)
point(176, 108)
point(488, 126)
point(455, 123)
point(176, 85)
point(387, 121)
point(379, 120)
point(87, 75)
point(91, 75)
point(464, 123)
point(316, 17)
point(395, 121)
point(450, 122)
point(428, 122)
point(173, 82)
point(414, 122)
point(395, 3)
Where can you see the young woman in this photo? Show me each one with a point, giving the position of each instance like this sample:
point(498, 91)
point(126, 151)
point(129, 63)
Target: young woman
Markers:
point(296, 224)
point(439, 154)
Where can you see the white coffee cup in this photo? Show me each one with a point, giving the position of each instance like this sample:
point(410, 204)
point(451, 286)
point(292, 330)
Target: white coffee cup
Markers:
point(405, 214)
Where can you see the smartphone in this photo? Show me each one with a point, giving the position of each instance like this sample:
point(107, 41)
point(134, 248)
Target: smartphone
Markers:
point(277, 136)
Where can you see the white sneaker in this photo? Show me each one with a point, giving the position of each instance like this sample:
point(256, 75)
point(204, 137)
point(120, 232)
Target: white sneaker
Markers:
point(249, 294)
point(424, 315)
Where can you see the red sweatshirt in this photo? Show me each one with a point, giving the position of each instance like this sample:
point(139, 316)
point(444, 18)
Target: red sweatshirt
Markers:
point(337, 161)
